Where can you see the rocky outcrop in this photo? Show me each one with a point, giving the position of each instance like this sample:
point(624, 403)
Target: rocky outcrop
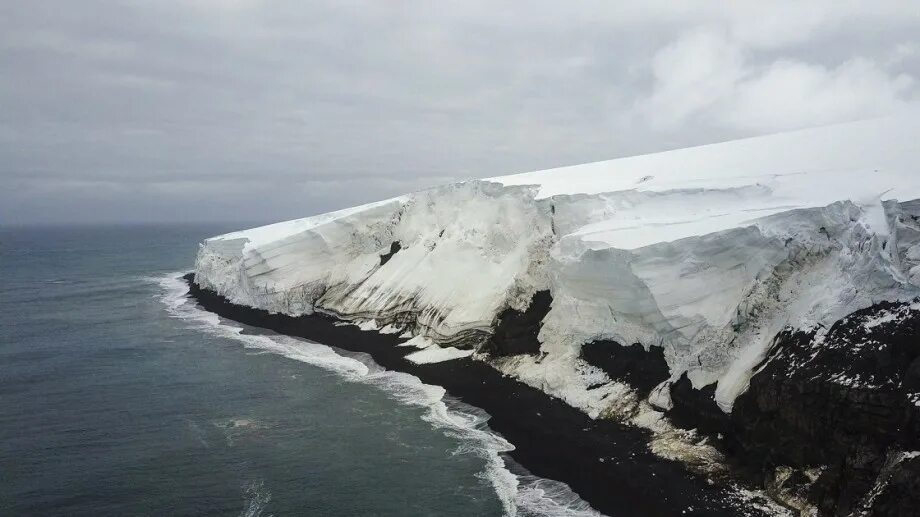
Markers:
point(832, 418)
point(516, 331)
point(395, 246)
point(634, 365)
point(898, 491)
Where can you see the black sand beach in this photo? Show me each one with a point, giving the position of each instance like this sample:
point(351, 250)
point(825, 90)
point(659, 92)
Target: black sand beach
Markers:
point(606, 463)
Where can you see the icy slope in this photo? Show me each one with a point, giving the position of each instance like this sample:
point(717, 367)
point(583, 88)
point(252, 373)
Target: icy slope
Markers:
point(706, 252)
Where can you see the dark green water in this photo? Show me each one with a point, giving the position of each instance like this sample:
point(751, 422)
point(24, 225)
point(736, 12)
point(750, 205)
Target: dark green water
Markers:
point(114, 402)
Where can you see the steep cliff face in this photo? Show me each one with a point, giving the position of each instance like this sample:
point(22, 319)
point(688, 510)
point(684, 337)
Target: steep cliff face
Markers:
point(694, 282)
point(831, 417)
point(441, 263)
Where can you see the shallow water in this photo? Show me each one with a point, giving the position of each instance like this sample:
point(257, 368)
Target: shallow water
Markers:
point(115, 399)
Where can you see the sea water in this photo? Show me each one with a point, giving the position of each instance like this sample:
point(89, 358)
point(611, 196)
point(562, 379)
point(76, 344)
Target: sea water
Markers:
point(119, 396)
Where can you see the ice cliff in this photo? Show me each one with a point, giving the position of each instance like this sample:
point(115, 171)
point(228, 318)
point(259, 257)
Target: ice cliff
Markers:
point(707, 258)
point(707, 252)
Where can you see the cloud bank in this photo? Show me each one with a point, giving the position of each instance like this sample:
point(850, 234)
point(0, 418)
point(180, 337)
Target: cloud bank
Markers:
point(263, 110)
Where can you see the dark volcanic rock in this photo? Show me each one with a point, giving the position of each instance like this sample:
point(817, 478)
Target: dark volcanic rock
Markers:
point(395, 246)
point(839, 406)
point(899, 493)
point(516, 332)
point(697, 409)
point(640, 368)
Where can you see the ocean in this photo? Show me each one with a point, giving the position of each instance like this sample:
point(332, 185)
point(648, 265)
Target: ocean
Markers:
point(118, 396)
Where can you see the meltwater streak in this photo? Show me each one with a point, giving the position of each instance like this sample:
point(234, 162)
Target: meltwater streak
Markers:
point(520, 495)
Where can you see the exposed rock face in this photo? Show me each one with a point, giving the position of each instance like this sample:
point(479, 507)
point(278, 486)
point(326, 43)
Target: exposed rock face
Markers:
point(516, 331)
point(395, 246)
point(640, 368)
point(832, 417)
point(696, 408)
point(898, 494)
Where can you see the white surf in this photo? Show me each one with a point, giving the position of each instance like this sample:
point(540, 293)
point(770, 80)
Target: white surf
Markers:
point(520, 495)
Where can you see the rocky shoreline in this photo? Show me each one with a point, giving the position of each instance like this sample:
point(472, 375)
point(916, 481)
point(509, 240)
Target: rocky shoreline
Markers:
point(606, 463)
point(829, 425)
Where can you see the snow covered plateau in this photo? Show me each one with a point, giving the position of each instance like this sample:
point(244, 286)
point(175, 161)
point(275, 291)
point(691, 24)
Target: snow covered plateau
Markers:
point(704, 257)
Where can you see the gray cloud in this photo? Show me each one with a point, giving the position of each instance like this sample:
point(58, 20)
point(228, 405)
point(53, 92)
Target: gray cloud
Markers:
point(262, 110)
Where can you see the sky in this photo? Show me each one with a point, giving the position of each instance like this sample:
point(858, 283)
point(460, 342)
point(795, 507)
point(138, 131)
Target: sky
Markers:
point(249, 110)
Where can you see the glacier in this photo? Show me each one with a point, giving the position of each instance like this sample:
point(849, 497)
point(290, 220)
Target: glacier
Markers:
point(707, 254)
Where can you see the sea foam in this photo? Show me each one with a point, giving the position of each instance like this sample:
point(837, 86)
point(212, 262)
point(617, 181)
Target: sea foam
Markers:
point(521, 494)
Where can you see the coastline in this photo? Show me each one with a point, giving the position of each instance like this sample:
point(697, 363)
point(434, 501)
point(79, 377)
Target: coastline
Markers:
point(606, 463)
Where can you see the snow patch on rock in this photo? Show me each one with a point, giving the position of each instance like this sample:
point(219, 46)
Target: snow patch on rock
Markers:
point(434, 354)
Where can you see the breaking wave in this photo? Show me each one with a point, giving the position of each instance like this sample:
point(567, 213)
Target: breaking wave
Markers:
point(521, 494)
point(256, 497)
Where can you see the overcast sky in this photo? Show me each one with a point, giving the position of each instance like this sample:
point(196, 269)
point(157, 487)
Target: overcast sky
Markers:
point(247, 110)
